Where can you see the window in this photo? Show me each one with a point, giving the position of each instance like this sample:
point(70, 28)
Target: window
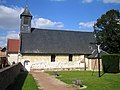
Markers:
point(26, 19)
point(70, 57)
point(52, 58)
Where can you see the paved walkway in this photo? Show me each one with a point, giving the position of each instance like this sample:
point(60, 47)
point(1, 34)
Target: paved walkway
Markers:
point(47, 82)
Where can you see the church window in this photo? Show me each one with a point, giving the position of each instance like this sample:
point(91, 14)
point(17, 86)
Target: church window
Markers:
point(70, 57)
point(52, 58)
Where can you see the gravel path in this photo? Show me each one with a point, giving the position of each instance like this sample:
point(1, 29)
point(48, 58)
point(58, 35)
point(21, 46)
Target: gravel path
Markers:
point(47, 82)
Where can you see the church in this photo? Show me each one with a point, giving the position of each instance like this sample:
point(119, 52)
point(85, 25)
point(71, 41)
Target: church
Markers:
point(48, 49)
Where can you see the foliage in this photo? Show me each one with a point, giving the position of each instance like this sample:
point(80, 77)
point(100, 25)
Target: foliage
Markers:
point(106, 82)
point(107, 30)
point(24, 81)
point(110, 63)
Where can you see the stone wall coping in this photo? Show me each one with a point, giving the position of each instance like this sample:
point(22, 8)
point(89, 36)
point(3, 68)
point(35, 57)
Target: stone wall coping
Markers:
point(4, 69)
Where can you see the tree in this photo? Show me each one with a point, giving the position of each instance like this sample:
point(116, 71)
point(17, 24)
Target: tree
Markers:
point(107, 31)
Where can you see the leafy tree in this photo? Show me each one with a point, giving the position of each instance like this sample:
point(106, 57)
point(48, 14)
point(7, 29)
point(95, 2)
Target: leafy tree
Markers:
point(107, 30)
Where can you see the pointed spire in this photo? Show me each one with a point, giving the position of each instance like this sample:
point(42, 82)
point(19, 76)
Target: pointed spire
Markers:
point(26, 12)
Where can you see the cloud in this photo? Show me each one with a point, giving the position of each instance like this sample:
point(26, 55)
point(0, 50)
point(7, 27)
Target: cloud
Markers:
point(2, 44)
point(46, 23)
point(9, 17)
point(104, 1)
point(86, 24)
point(111, 1)
point(2, 41)
point(57, 0)
point(87, 1)
point(2, 37)
point(12, 35)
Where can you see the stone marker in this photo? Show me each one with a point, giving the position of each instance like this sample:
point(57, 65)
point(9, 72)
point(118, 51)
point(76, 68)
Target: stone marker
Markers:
point(55, 73)
point(78, 83)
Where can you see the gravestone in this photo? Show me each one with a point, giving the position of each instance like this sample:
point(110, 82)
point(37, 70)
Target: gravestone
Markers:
point(78, 83)
point(55, 73)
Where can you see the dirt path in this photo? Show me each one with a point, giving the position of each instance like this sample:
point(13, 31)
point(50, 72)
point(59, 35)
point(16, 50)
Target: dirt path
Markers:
point(46, 82)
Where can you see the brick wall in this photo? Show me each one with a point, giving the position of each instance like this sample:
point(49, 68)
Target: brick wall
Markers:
point(8, 74)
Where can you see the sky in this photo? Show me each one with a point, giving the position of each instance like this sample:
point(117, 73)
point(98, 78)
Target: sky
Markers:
point(73, 15)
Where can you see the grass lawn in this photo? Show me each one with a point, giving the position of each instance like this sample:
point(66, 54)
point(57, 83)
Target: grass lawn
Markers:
point(106, 82)
point(24, 81)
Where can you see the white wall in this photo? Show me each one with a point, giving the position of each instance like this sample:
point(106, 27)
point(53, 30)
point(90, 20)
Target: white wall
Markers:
point(61, 61)
point(12, 57)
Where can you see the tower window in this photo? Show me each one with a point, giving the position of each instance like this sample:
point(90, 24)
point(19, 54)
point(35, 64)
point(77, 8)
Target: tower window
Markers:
point(52, 58)
point(26, 19)
point(70, 57)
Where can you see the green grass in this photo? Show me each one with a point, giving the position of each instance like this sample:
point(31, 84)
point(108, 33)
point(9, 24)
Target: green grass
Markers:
point(24, 81)
point(106, 82)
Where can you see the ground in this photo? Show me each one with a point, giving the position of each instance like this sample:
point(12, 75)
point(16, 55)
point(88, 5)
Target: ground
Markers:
point(46, 82)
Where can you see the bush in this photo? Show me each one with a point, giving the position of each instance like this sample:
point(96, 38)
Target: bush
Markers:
point(110, 63)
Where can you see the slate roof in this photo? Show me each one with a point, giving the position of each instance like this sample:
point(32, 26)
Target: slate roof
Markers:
point(13, 45)
point(43, 41)
point(26, 12)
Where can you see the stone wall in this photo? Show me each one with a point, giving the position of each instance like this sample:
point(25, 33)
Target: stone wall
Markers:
point(61, 62)
point(8, 74)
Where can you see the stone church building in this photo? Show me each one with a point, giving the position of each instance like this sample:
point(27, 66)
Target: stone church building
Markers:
point(48, 49)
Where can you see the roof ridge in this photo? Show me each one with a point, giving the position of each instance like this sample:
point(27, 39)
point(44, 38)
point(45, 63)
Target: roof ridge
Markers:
point(65, 30)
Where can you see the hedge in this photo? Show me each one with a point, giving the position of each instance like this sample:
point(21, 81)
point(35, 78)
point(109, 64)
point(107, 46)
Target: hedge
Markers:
point(110, 63)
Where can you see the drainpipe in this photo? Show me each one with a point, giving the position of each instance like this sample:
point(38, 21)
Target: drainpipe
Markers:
point(84, 63)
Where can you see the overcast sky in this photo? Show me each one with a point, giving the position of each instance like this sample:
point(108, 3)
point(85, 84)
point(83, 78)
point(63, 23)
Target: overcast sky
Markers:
point(75, 15)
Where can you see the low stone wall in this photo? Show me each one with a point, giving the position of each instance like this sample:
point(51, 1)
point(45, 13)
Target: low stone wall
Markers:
point(8, 74)
point(57, 65)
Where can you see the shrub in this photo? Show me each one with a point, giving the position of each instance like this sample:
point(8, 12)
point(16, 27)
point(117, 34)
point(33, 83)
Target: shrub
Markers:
point(110, 63)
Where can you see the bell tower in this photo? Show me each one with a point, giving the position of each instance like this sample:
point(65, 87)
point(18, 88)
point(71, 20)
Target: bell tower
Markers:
point(26, 18)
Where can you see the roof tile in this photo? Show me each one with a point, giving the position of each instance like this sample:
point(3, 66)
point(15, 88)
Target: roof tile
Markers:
point(45, 41)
